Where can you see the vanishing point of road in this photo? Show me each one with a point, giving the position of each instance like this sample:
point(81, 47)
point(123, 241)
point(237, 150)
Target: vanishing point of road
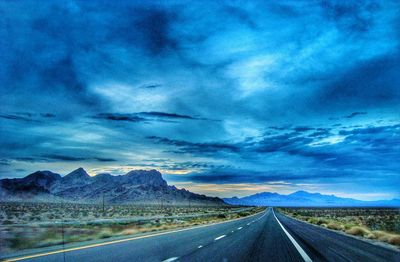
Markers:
point(267, 236)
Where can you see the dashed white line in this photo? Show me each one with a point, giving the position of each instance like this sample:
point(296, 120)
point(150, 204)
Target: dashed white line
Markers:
point(218, 238)
point(240, 228)
point(170, 259)
point(303, 254)
point(248, 224)
point(200, 246)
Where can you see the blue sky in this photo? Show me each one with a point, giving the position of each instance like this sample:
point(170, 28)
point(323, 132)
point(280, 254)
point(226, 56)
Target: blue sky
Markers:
point(225, 98)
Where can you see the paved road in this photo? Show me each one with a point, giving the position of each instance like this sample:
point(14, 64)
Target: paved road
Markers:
point(263, 237)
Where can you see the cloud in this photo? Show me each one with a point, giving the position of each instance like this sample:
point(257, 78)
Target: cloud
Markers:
point(302, 128)
point(239, 92)
point(17, 117)
point(120, 117)
point(371, 83)
point(58, 157)
point(151, 86)
point(64, 157)
point(355, 114)
point(195, 148)
point(28, 116)
point(147, 117)
point(105, 159)
point(169, 115)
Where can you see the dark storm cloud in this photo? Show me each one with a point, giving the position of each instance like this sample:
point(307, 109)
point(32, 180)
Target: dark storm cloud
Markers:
point(146, 117)
point(195, 148)
point(351, 16)
point(371, 83)
point(28, 117)
point(169, 115)
point(64, 158)
point(355, 114)
point(151, 86)
point(17, 117)
point(120, 117)
point(105, 159)
point(282, 142)
point(302, 128)
point(48, 115)
point(146, 25)
point(67, 158)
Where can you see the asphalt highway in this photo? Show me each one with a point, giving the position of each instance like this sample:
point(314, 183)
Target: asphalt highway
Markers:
point(268, 236)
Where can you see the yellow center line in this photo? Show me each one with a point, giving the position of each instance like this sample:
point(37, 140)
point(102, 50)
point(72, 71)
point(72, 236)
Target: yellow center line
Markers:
point(120, 241)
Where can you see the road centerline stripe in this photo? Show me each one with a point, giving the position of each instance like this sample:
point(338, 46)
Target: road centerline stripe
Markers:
point(218, 238)
point(170, 259)
point(303, 254)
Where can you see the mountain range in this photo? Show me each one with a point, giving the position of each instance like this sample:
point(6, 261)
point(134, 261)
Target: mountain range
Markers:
point(135, 187)
point(306, 199)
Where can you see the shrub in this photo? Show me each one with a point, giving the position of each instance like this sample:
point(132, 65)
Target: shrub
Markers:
point(335, 226)
point(357, 231)
point(394, 240)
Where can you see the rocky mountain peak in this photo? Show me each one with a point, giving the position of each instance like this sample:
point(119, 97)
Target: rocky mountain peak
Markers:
point(77, 176)
point(146, 177)
point(42, 175)
point(41, 178)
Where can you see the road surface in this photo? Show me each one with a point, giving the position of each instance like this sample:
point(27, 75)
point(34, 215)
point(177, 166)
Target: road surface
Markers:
point(268, 236)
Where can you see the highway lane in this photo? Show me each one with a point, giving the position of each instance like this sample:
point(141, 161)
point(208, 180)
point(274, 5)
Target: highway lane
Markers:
point(325, 245)
point(257, 238)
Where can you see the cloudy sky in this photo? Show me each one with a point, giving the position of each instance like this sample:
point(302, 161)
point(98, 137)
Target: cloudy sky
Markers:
point(227, 98)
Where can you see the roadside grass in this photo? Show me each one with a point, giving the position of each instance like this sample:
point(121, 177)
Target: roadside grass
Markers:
point(19, 233)
point(371, 223)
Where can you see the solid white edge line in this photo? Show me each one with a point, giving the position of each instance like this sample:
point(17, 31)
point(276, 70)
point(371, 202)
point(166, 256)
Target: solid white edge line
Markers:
point(303, 254)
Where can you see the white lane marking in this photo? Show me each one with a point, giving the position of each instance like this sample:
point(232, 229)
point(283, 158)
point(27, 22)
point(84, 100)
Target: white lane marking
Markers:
point(232, 231)
point(170, 259)
point(218, 238)
point(240, 228)
point(248, 224)
point(200, 246)
point(260, 217)
point(303, 254)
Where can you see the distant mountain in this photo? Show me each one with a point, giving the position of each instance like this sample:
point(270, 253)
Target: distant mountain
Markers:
point(135, 187)
point(306, 199)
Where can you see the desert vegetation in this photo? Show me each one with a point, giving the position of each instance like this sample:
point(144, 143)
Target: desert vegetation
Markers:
point(34, 225)
point(381, 224)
